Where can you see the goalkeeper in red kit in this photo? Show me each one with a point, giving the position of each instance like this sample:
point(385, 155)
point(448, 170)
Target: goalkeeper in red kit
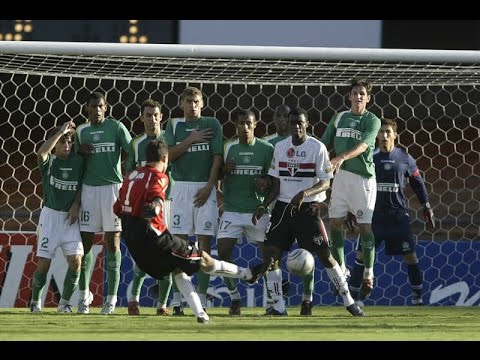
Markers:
point(391, 223)
point(155, 250)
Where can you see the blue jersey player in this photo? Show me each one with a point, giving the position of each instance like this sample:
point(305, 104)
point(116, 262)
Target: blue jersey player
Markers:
point(391, 222)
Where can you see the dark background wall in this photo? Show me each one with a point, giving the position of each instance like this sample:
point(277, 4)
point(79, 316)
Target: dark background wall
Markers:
point(431, 34)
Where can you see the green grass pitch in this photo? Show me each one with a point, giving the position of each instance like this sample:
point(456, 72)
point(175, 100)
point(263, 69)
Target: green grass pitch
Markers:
point(327, 323)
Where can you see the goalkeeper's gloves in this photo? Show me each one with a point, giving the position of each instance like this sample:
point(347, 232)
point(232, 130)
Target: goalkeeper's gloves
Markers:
point(351, 222)
point(152, 209)
point(428, 215)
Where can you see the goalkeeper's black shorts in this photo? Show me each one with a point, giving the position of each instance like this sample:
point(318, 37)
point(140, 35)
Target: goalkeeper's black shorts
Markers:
point(158, 254)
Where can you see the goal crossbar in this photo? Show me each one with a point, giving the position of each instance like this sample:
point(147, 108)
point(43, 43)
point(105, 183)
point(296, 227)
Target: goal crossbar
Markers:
point(241, 64)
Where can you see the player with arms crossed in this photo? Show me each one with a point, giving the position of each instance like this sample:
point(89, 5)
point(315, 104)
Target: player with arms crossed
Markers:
point(352, 134)
point(62, 175)
point(247, 159)
point(151, 117)
point(391, 222)
point(195, 150)
point(153, 247)
point(301, 173)
point(100, 141)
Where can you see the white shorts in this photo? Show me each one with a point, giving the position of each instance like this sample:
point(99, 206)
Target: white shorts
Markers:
point(96, 209)
point(235, 225)
point(185, 218)
point(354, 193)
point(53, 231)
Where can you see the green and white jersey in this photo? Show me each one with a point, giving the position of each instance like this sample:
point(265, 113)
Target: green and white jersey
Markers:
point(61, 180)
point(137, 154)
point(252, 161)
point(137, 150)
point(345, 131)
point(195, 164)
point(102, 166)
point(274, 138)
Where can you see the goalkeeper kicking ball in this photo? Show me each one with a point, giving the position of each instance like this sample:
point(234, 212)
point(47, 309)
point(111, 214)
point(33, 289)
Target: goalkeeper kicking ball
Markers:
point(300, 262)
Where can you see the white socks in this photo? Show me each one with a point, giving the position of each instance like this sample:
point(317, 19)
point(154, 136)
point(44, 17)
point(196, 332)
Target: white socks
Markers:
point(187, 289)
point(223, 268)
point(337, 276)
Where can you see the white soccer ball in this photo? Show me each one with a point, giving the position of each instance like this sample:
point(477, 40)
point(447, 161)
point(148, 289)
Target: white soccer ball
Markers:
point(300, 262)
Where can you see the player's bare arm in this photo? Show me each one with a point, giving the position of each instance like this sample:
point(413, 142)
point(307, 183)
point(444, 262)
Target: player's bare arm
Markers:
point(72, 215)
point(202, 195)
point(272, 195)
point(298, 199)
point(48, 145)
point(347, 155)
point(195, 136)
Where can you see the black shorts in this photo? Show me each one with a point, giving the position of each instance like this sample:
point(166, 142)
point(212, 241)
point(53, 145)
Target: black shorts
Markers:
point(304, 225)
point(158, 255)
point(395, 231)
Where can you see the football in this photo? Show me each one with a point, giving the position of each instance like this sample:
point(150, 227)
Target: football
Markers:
point(300, 262)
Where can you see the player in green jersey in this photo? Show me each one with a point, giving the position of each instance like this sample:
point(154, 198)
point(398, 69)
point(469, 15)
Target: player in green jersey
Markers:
point(352, 135)
point(195, 150)
point(100, 140)
point(151, 117)
point(280, 119)
point(62, 174)
point(247, 159)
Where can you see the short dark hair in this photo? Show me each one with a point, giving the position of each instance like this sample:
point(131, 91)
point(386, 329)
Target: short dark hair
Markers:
point(156, 150)
point(245, 113)
point(298, 111)
point(191, 91)
point(390, 122)
point(96, 96)
point(150, 103)
point(362, 82)
point(53, 131)
point(280, 107)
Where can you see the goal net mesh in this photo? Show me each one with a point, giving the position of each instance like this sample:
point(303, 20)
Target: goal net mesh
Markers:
point(436, 106)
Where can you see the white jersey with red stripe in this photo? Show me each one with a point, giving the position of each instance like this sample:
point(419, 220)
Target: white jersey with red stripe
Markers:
point(300, 167)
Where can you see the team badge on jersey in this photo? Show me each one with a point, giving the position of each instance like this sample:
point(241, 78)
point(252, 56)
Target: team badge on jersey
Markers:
point(292, 168)
point(387, 166)
point(64, 175)
point(291, 152)
point(96, 137)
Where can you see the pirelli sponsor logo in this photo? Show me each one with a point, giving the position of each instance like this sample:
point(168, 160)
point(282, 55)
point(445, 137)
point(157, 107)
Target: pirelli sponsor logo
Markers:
point(199, 147)
point(349, 133)
point(388, 187)
point(63, 185)
point(296, 169)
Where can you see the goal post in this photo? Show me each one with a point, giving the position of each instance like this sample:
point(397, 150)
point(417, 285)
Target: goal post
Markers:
point(433, 94)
